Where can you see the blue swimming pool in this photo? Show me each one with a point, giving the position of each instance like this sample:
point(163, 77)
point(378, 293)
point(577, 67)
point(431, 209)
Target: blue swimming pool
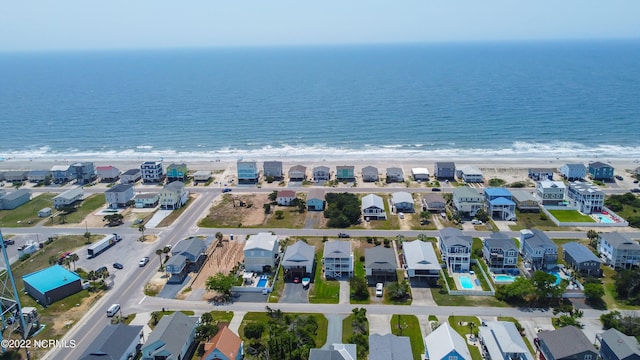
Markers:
point(605, 219)
point(504, 278)
point(262, 282)
point(466, 282)
point(557, 275)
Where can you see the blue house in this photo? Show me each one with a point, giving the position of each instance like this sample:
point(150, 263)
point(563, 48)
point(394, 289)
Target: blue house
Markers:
point(177, 172)
point(315, 200)
point(444, 343)
point(615, 345)
point(600, 171)
point(499, 203)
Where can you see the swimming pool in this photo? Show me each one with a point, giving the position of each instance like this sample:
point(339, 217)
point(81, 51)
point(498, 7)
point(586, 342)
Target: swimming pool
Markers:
point(465, 282)
point(557, 275)
point(605, 219)
point(504, 278)
point(262, 282)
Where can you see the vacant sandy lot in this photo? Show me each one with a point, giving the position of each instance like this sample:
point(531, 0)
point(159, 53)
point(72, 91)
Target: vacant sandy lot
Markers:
point(232, 210)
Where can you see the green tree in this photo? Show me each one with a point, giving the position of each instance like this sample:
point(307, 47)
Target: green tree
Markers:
point(113, 219)
point(267, 208)
point(159, 252)
point(254, 330)
point(482, 215)
point(593, 291)
point(521, 290)
point(141, 229)
point(87, 236)
point(130, 203)
point(593, 236)
point(627, 284)
point(359, 288)
point(219, 236)
point(73, 258)
point(273, 196)
point(221, 283)
point(546, 288)
point(279, 214)
point(398, 291)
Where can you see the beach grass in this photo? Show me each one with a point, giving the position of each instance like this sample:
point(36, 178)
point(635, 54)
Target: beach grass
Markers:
point(571, 216)
point(27, 214)
point(408, 325)
point(291, 218)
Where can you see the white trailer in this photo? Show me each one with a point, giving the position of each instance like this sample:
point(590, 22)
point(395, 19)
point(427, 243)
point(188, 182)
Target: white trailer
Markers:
point(102, 245)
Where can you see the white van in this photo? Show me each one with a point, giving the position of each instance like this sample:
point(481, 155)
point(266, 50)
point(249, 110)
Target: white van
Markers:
point(113, 309)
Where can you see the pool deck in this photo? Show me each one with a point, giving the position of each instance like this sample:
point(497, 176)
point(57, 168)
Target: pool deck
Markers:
point(473, 277)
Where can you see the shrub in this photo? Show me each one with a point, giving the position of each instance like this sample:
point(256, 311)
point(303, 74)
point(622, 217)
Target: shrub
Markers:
point(254, 330)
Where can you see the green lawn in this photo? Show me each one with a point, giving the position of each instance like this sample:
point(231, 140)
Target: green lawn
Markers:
point(222, 316)
point(408, 325)
point(87, 206)
point(27, 214)
point(323, 291)
point(530, 220)
point(451, 300)
point(278, 287)
point(358, 271)
point(347, 329)
point(463, 330)
point(292, 218)
point(570, 216)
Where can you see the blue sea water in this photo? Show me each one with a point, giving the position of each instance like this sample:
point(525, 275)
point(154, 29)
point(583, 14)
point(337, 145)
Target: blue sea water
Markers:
point(533, 99)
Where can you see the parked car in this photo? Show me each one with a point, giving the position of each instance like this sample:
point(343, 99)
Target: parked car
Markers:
point(226, 190)
point(118, 266)
point(435, 189)
point(296, 280)
point(635, 181)
point(635, 190)
point(343, 235)
point(144, 261)
point(476, 222)
point(9, 241)
point(401, 215)
point(379, 287)
point(618, 177)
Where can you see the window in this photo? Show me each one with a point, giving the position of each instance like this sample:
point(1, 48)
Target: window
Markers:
point(453, 357)
point(588, 357)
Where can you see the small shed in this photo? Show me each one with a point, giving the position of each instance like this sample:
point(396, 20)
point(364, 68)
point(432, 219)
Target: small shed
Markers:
point(46, 212)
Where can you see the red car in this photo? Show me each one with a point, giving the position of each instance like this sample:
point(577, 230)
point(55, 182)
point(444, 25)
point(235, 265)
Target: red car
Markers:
point(296, 280)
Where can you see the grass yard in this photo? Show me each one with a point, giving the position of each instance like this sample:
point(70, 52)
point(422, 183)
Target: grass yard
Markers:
point(571, 216)
point(27, 214)
point(292, 218)
point(323, 291)
point(451, 300)
point(530, 220)
point(176, 213)
point(358, 271)
point(408, 325)
point(278, 287)
point(347, 328)
point(88, 206)
point(459, 323)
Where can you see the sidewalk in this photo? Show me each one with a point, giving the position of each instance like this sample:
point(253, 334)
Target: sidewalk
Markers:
point(143, 319)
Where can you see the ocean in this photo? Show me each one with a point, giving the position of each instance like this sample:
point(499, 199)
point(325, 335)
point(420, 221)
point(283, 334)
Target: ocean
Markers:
point(528, 99)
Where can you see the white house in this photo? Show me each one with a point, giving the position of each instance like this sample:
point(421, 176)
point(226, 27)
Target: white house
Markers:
point(173, 196)
point(585, 197)
point(394, 174)
point(444, 343)
point(338, 259)
point(573, 172)
point(152, 171)
point(44, 212)
point(503, 341)
point(551, 192)
point(321, 173)
point(372, 208)
point(618, 250)
point(370, 174)
point(261, 252)
point(297, 173)
point(119, 195)
point(455, 248)
point(130, 176)
point(420, 174)
point(202, 176)
point(420, 260)
point(298, 259)
point(469, 174)
point(108, 173)
point(285, 197)
point(68, 198)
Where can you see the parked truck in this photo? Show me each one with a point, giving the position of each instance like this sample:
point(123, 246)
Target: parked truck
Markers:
point(102, 245)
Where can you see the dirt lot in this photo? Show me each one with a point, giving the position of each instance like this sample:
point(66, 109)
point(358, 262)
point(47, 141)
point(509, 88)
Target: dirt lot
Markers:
point(227, 210)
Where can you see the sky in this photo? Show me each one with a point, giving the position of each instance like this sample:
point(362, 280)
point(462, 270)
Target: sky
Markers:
point(27, 25)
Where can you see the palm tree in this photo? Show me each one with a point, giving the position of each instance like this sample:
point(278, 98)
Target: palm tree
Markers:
point(141, 228)
point(159, 252)
point(219, 236)
point(471, 325)
point(73, 258)
point(593, 236)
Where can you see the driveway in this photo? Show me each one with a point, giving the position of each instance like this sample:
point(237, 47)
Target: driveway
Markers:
point(334, 330)
point(169, 291)
point(379, 324)
point(421, 294)
point(157, 217)
point(345, 292)
point(294, 294)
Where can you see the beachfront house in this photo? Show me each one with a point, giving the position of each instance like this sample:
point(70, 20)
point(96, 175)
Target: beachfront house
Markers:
point(467, 201)
point(247, 171)
point(444, 170)
point(118, 196)
point(455, 248)
point(172, 338)
point(380, 264)
point(469, 174)
point(298, 260)
point(315, 200)
point(566, 343)
point(539, 252)
point(321, 173)
point(402, 202)
point(225, 345)
point(336, 352)
point(421, 261)
point(297, 173)
point(500, 253)
point(572, 172)
point(272, 169)
point(525, 200)
point(579, 258)
point(108, 173)
point(420, 174)
point(60, 174)
point(585, 197)
point(68, 198)
point(394, 174)
point(338, 259)
point(444, 343)
point(370, 174)
point(131, 176)
point(503, 341)
point(499, 203)
point(261, 252)
point(187, 256)
point(38, 176)
point(14, 176)
point(173, 196)
point(118, 341)
point(201, 176)
point(433, 202)
point(177, 172)
point(345, 173)
point(615, 345)
point(389, 347)
point(600, 171)
point(372, 207)
point(618, 250)
point(12, 200)
point(540, 174)
point(551, 192)
point(152, 172)
point(83, 172)
point(285, 197)
point(146, 200)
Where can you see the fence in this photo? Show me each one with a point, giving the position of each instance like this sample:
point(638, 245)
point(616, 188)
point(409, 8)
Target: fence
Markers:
point(621, 222)
point(470, 292)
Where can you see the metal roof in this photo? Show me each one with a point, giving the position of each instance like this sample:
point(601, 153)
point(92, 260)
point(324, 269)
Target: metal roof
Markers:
point(401, 196)
point(112, 342)
point(443, 340)
point(420, 255)
point(579, 252)
point(337, 249)
point(372, 200)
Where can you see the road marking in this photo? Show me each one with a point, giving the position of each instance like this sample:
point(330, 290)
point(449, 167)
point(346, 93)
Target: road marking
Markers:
point(141, 300)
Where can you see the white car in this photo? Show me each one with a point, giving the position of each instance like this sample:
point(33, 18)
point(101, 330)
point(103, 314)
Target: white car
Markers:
point(476, 222)
point(143, 261)
point(379, 287)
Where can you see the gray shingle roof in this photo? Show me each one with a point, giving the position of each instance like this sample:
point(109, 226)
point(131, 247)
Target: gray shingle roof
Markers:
point(191, 248)
point(298, 254)
point(579, 252)
point(566, 342)
point(500, 240)
point(15, 194)
point(401, 196)
point(619, 241)
point(622, 345)
point(119, 188)
point(389, 347)
point(173, 330)
point(537, 238)
point(453, 236)
point(131, 172)
point(380, 258)
point(337, 249)
point(112, 342)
